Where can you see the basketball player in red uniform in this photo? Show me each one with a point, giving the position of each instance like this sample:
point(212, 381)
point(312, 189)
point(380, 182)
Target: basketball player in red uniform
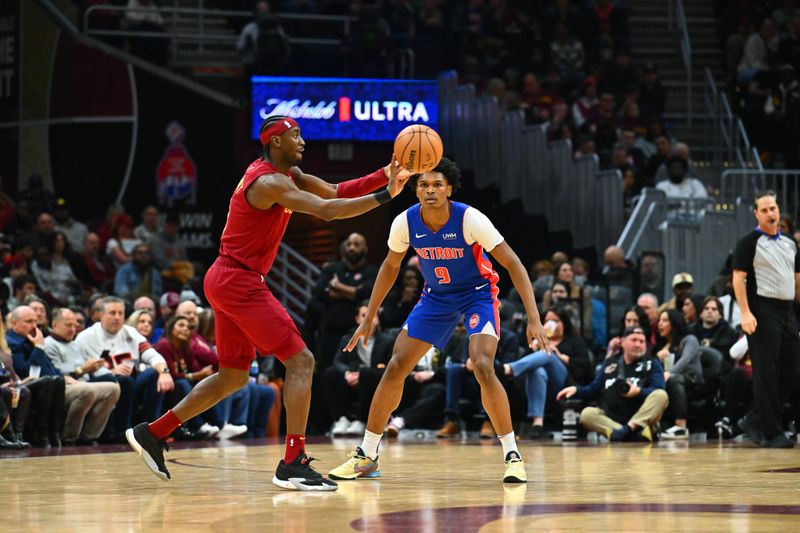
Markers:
point(248, 317)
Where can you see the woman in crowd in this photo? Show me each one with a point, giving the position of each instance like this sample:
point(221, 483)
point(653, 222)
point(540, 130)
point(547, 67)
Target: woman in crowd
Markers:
point(679, 352)
point(691, 308)
point(122, 242)
point(547, 373)
point(142, 321)
point(581, 300)
point(402, 298)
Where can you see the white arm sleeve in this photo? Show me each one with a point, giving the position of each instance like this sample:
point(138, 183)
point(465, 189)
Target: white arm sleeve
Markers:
point(398, 234)
point(478, 228)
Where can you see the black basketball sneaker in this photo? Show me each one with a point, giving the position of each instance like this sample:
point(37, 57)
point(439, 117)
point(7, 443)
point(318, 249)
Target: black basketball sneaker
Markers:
point(299, 475)
point(150, 450)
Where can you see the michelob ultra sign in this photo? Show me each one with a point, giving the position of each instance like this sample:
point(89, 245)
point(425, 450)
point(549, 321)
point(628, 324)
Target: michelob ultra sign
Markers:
point(346, 109)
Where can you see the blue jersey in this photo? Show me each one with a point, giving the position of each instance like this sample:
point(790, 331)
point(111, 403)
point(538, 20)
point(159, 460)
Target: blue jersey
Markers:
point(448, 264)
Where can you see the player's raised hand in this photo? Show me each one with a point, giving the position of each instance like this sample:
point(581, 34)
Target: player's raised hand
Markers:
point(398, 177)
point(536, 331)
point(363, 332)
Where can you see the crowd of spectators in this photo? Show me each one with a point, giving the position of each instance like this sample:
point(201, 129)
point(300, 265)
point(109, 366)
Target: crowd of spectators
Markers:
point(761, 43)
point(102, 328)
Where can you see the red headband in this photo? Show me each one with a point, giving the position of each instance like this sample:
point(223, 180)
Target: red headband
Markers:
point(278, 128)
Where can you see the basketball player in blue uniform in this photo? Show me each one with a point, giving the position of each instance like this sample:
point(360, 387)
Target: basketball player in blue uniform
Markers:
point(451, 240)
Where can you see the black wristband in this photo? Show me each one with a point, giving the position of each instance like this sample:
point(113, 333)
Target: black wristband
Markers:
point(383, 196)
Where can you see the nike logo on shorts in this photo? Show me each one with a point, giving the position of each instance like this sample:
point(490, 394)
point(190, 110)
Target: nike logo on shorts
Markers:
point(418, 236)
point(479, 287)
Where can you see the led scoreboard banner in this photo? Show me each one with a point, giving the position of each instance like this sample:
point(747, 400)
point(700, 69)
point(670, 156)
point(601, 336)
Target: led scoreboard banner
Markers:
point(346, 109)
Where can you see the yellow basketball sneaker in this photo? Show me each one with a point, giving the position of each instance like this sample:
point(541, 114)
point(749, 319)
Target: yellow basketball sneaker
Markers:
point(357, 465)
point(515, 469)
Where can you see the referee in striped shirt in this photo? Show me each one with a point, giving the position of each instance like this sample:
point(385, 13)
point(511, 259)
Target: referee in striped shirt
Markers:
point(765, 280)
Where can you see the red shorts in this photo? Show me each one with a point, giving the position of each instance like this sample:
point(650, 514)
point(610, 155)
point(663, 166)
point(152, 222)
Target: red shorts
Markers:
point(247, 316)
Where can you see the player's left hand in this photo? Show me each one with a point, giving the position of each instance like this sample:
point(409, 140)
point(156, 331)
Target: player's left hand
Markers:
point(398, 176)
point(165, 383)
point(536, 331)
point(363, 332)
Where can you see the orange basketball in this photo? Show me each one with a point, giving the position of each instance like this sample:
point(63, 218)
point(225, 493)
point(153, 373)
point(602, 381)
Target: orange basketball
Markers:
point(418, 148)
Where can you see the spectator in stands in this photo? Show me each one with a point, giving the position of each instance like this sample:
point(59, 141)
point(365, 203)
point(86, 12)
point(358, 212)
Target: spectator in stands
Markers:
point(635, 317)
point(80, 318)
point(150, 226)
point(132, 356)
point(145, 16)
point(691, 309)
point(15, 397)
point(789, 51)
point(26, 344)
point(166, 245)
point(663, 149)
point(679, 150)
point(580, 270)
point(120, 246)
point(55, 278)
point(139, 277)
point(682, 287)
point(581, 300)
point(713, 331)
point(636, 157)
point(187, 368)
point(36, 196)
point(166, 307)
point(567, 54)
point(88, 405)
point(401, 298)
point(782, 110)
point(620, 76)
point(584, 107)
point(75, 231)
point(586, 146)
point(142, 321)
point(546, 373)
point(652, 95)
point(679, 185)
point(340, 286)
point(40, 308)
point(21, 287)
point(649, 302)
point(631, 415)
point(96, 271)
point(351, 380)
point(737, 389)
point(263, 45)
point(679, 352)
point(757, 53)
point(651, 274)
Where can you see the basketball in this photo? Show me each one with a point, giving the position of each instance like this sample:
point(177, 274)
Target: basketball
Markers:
point(418, 148)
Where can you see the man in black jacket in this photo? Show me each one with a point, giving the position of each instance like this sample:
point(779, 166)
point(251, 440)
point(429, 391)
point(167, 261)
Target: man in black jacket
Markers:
point(712, 330)
point(353, 378)
point(340, 287)
point(630, 387)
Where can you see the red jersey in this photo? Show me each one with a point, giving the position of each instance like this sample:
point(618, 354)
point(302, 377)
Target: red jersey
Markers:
point(252, 236)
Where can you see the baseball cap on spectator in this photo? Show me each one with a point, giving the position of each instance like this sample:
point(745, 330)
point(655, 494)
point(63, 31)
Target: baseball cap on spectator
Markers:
point(188, 294)
point(632, 330)
point(683, 277)
point(169, 299)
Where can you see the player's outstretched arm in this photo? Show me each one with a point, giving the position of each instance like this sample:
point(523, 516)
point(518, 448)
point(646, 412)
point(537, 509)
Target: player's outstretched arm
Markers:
point(387, 275)
point(279, 189)
point(519, 276)
point(347, 189)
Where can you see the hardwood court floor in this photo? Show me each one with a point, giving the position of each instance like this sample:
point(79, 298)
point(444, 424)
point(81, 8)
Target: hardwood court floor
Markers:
point(425, 487)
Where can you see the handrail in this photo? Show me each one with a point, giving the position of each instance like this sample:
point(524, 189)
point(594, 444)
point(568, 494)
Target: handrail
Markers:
point(686, 53)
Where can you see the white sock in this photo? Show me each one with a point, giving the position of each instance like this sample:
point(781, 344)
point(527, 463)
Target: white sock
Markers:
point(509, 443)
point(370, 444)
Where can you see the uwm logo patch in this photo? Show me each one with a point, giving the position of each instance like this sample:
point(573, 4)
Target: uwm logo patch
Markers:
point(449, 236)
point(473, 320)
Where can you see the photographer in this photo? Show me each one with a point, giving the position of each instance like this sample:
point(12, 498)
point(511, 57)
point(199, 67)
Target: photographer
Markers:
point(631, 388)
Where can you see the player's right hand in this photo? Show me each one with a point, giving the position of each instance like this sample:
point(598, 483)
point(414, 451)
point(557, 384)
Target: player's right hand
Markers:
point(749, 323)
point(398, 177)
point(569, 392)
point(363, 332)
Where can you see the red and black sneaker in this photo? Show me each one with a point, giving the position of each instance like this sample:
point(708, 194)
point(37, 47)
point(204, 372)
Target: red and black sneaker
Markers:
point(150, 449)
point(300, 475)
